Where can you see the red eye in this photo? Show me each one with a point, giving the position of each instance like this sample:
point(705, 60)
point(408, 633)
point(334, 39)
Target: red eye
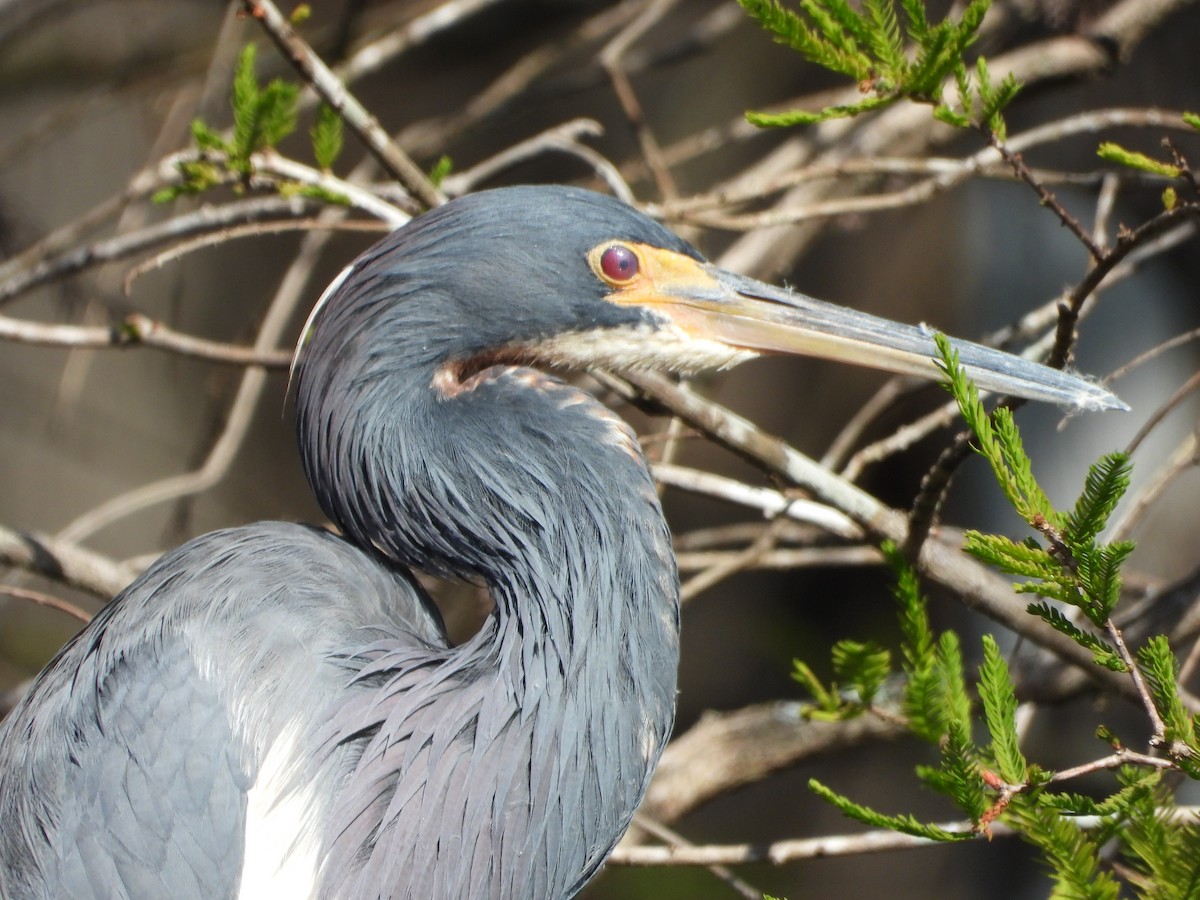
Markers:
point(618, 263)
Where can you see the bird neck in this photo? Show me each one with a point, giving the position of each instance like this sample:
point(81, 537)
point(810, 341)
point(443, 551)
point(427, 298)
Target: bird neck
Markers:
point(517, 479)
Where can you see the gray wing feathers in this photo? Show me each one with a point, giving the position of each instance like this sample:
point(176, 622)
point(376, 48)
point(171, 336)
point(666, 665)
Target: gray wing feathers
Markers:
point(125, 770)
point(157, 802)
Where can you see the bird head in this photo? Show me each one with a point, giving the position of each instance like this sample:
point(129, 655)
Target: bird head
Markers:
point(565, 277)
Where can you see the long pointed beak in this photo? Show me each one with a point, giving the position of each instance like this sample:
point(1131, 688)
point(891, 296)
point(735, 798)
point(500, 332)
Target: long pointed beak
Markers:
point(753, 315)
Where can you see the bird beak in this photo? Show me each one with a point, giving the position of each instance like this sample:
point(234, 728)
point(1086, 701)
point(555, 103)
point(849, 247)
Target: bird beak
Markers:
point(751, 315)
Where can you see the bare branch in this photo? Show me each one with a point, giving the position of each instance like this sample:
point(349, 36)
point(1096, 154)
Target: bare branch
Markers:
point(64, 562)
point(727, 750)
point(134, 331)
point(204, 220)
point(39, 598)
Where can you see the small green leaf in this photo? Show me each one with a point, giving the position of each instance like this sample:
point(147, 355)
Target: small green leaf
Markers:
point(326, 134)
point(999, 701)
point(1105, 485)
point(805, 117)
point(167, 194)
point(1161, 672)
point(324, 195)
point(206, 138)
point(959, 776)
point(865, 41)
point(1073, 854)
point(862, 666)
point(905, 824)
point(948, 116)
point(1113, 805)
point(1115, 153)
point(1012, 557)
point(245, 107)
point(262, 117)
point(1192, 119)
point(826, 699)
point(956, 701)
point(441, 170)
point(1105, 654)
point(277, 112)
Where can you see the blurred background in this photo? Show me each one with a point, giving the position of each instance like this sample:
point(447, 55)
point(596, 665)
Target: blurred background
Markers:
point(92, 93)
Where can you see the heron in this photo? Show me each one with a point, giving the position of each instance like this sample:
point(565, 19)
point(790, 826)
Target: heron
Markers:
point(276, 710)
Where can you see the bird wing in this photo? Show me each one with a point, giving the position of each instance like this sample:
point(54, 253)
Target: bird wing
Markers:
point(125, 771)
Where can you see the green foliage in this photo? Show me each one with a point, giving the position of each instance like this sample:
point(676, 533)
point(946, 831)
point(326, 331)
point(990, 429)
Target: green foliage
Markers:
point(828, 705)
point(326, 134)
point(1071, 854)
point(1073, 568)
point(441, 170)
point(958, 776)
point(1114, 805)
point(863, 667)
point(1106, 482)
point(997, 440)
point(1065, 562)
point(905, 824)
point(263, 116)
point(1102, 651)
point(1000, 712)
point(1192, 119)
point(921, 702)
point(1162, 848)
point(890, 56)
point(1160, 670)
point(1131, 159)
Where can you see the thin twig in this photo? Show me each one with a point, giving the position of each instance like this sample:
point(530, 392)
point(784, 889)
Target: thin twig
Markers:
point(1184, 457)
point(204, 220)
point(258, 229)
point(384, 50)
point(787, 851)
point(611, 60)
point(947, 172)
point(1181, 393)
point(48, 601)
point(1157, 724)
point(875, 841)
point(672, 838)
point(1113, 761)
point(737, 562)
point(784, 559)
point(1153, 353)
point(562, 139)
point(138, 331)
point(1045, 196)
point(769, 502)
point(1127, 242)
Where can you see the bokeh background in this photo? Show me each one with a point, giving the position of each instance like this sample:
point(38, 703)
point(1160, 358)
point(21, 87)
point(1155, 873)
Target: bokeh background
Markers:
point(92, 92)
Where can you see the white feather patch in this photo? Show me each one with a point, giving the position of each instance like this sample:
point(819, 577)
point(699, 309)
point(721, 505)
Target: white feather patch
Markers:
point(281, 841)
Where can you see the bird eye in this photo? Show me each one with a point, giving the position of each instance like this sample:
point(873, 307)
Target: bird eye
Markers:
point(619, 264)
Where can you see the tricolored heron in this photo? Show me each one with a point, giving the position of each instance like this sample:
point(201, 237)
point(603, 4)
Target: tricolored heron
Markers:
point(276, 710)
